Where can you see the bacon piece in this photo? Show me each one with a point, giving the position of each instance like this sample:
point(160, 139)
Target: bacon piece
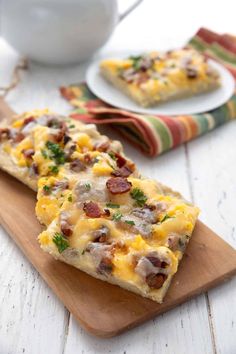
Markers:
point(4, 133)
point(123, 171)
point(118, 185)
point(61, 133)
point(88, 159)
point(156, 280)
point(92, 210)
point(103, 147)
point(28, 120)
point(77, 165)
point(28, 153)
point(65, 226)
point(105, 266)
point(120, 160)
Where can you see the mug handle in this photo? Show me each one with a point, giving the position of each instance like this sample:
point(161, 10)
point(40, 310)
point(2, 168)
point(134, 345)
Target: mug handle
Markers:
point(129, 10)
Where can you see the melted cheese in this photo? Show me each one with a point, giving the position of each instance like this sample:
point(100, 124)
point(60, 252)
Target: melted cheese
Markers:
point(126, 237)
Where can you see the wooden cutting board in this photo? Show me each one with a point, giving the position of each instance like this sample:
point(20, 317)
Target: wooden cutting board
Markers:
point(102, 309)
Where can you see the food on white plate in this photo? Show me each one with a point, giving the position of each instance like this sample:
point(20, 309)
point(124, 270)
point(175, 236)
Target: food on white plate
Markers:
point(40, 143)
point(156, 77)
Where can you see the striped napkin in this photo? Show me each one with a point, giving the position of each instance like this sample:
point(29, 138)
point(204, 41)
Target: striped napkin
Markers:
point(157, 134)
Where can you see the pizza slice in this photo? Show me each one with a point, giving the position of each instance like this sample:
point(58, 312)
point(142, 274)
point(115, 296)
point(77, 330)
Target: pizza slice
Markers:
point(154, 77)
point(127, 231)
point(40, 144)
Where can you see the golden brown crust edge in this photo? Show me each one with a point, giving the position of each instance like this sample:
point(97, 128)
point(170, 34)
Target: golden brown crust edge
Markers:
point(22, 174)
point(145, 100)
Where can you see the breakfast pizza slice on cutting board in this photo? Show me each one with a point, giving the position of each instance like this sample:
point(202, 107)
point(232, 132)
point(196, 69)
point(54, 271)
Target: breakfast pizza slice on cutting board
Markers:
point(155, 77)
point(40, 143)
point(128, 231)
point(101, 216)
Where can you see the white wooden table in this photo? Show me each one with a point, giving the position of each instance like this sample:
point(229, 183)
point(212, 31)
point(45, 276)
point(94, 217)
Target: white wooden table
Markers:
point(32, 319)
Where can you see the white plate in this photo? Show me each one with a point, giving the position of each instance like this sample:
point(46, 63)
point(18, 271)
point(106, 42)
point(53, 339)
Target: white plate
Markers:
point(193, 105)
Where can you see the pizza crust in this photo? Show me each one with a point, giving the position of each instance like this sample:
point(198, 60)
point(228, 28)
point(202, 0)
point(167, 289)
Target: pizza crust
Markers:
point(145, 99)
point(22, 174)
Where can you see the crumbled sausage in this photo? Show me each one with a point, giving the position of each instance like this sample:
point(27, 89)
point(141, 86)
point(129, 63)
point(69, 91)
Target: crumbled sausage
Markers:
point(77, 165)
point(157, 262)
point(173, 241)
point(60, 185)
point(105, 266)
point(66, 139)
point(18, 137)
point(191, 72)
point(28, 153)
point(156, 280)
point(101, 234)
point(69, 151)
point(147, 213)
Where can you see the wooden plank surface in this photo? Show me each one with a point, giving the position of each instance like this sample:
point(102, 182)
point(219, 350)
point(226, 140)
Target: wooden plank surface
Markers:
point(103, 309)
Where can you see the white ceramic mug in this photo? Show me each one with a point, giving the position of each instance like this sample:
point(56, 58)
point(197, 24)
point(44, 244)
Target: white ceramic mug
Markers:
point(59, 31)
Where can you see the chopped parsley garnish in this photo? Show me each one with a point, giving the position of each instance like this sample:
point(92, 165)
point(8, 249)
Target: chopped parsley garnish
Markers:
point(44, 153)
point(87, 186)
point(112, 155)
point(138, 196)
point(136, 61)
point(117, 216)
point(71, 126)
point(57, 154)
point(112, 205)
point(47, 189)
point(166, 217)
point(130, 222)
point(109, 164)
point(70, 198)
point(54, 169)
point(60, 241)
